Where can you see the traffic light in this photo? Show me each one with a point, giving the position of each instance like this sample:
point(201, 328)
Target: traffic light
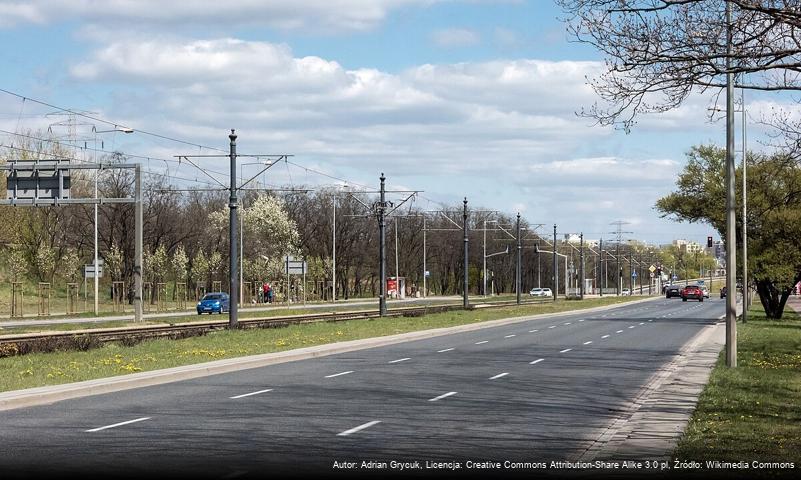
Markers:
point(708, 242)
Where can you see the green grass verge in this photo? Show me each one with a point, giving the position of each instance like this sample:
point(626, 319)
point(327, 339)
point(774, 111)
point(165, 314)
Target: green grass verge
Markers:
point(39, 369)
point(752, 412)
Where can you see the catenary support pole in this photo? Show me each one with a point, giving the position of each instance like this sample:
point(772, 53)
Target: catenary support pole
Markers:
point(382, 225)
point(601, 268)
point(555, 275)
point(334, 250)
point(581, 265)
point(138, 227)
point(233, 222)
point(466, 302)
point(518, 270)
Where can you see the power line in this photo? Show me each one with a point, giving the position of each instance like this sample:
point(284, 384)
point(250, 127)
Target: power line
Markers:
point(106, 122)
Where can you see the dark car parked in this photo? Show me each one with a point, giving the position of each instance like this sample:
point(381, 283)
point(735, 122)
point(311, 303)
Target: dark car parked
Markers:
point(692, 291)
point(672, 291)
point(215, 302)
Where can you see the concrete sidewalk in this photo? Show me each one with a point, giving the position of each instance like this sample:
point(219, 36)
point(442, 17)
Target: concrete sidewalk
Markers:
point(651, 427)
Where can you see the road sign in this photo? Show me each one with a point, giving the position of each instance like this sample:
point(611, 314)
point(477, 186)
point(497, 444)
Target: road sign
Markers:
point(652, 274)
point(89, 271)
point(633, 274)
point(38, 179)
point(675, 277)
point(295, 267)
point(652, 269)
point(428, 273)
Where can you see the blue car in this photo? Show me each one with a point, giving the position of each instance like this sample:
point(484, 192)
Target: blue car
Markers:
point(216, 302)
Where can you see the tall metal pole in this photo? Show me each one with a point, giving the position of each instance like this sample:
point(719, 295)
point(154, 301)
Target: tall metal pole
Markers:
point(138, 244)
point(746, 290)
point(484, 271)
point(425, 283)
point(233, 299)
point(334, 251)
point(518, 272)
point(555, 275)
point(731, 239)
point(619, 274)
point(466, 272)
point(397, 275)
point(97, 273)
point(601, 268)
point(581, 267)
point(382, 224)
point(631, 271)
point(539, 270)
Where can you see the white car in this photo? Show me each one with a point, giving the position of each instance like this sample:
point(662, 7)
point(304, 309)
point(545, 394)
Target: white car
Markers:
point(625, 292)
point(540, 292)
point(705, 290)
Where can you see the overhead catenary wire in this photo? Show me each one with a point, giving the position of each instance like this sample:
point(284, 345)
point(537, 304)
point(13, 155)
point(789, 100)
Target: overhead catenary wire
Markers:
point(107, 122)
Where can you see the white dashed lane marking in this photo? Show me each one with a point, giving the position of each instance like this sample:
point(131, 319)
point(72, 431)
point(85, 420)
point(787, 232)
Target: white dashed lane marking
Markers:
point(358, 429)
point(251, 394)
point(605, 336)
point(339, 374)
point(400, 360)
point(510, 336)
point(445, 350)
point(565, 350)
point(118, 424)
point(552, 326)
point(499, 376)
point(536, 361)
point(619, 331)
point(533, 331)
point(444, 395)
point(482, 342)
point(587, 343)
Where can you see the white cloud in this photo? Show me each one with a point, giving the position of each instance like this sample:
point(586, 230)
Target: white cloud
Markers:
point(504, 133)
point(455, 38)
point(310, 15)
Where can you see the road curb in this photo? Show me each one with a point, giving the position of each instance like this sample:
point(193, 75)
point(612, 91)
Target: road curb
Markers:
point(652, 424)
point(55, 393)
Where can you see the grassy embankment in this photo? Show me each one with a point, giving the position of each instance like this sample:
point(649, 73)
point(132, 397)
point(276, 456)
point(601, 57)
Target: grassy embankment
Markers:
point(38, 369)
point(752, 412)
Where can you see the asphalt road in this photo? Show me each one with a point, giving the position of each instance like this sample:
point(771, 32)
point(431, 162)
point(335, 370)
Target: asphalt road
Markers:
point(539, 390)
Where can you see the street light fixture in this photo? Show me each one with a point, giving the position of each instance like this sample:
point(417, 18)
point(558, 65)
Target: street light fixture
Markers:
point(97, 278)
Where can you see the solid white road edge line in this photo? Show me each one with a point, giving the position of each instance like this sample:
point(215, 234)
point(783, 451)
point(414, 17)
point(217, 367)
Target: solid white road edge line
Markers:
point(118, 424)
point(359, 428)
point(252, 393)
point(444, 395)
point(499, 376)
point(338, 374)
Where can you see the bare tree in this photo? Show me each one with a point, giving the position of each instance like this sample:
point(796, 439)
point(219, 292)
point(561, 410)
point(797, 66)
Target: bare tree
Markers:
point(657, 52)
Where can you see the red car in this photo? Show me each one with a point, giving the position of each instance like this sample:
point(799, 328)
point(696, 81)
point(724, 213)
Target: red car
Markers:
point(692, 291)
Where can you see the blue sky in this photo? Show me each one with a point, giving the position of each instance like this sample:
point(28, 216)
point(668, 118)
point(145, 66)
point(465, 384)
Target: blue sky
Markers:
point(457, 98)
